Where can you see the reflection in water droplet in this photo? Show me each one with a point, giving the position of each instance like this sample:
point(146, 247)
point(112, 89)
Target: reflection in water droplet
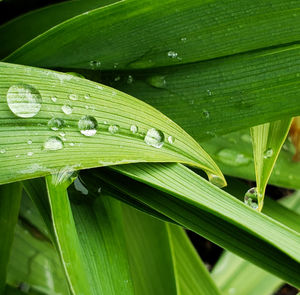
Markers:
point(154, 138)
point(67, 109)
point(24, 100)
point(233, 157)
point(172, 54)
point(53, 143)
point(73, 96)
point(88, 125)
point(54, 98)
point(134, 129)
point(157, 81)
point(56, 124)
point(215, 180)
point(268, 153)
point(251, 198)
point(171, 139)
point(113, 129)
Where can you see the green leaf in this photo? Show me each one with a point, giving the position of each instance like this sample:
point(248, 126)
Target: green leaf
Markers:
point(205, 98)
point(191, 273)
point(25, 26)
point(66, 236)
point(10, 197)
point(211, 212)
point(171, 33)
point(40, 150)
point(267, 140)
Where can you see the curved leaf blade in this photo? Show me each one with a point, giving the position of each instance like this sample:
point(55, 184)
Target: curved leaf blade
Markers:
point(23, 139)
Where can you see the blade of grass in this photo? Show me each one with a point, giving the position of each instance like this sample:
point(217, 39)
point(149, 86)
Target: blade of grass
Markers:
point(267, 140)
point(172, 33)
point(10, 198)
point(40, 150)
point(209, 211)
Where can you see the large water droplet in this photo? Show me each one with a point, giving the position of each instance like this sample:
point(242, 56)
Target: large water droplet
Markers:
point(154, 138)
point(24, 100)
point(268, 153)
point(113, 129)
point(56, 124)
point(73, 96)
point(233, 157)
point(172, 54)
point(134, 129)
point(157, 81)
point(251, 198)
point(88, 125)
point(67, 109)
point(215, 180)
point(53, 143)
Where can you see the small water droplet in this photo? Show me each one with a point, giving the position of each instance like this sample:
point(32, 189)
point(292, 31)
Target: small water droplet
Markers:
point(129, 79)
point(53, 98)
point(62, 134)
point(29, 154)
point(117, 78)
point(183, 39)
point(79, 186)
point(2, 151)
point(116, 64)
point(29, 141)
point(113, 129)
point(171, 139)
point(172, 54)
point(87, 96)
point(157, 81)
point(209, 92)
point(154, 138)
point(67, 109)
point(251, 198)
point(95, 64)
point(88, 125)
point(134, 129)
point(53, 143)
point(73, 96)
point(205, 114)
point(215, 180)
point(24, 100)
point(71, 144)
point(268, 153)
point(56, 124)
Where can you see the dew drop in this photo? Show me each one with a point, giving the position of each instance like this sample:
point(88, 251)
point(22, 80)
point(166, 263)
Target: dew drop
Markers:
point(53, 98)
point(134, 129)
point(215, 180)
point(172, 54)
point(157, 81)
point(88, 125)
point(183, 39)
point(171, 139)
point(117, 78)
point(209, 92)
point(2, 151)
point(79, 186)
point(268, 153)
point(95, 64)
point(24, 100)
point(87, 96)
point(251, 198)
point(205, 114)
point(73, 96)
point(29, 141)
point(113, 129)
point(67, 109)
point(246, 138)
point(129, 79)
point(56, 124)
point(53, 143)
point(29, 154)
point(154, 138)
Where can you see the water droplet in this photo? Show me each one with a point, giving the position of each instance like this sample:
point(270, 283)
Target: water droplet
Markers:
point(233, 158)
point(73, 96)
point(2, 151)
point(205, 114)
point(71, 144)
point(154, 138)
point(17, 156)
point(87, 96)
point(29, 154)
point(134, 129)
point(172, 54)
point(53, 98)
point(88, 126)
point(67, 109)
point(118, 78)
point(95, 64)
point(171, 139)
point(56, 124)
point(116, 65)
point(113, 129)
point(129, 79)
point(53, 143)
point(157, 81)
point(268, 153)
point(24, 100)
point(215, 180)
point(79, 186)
point(29, 141)
point(251, 198)
point(62, 134)
point(183, 39)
